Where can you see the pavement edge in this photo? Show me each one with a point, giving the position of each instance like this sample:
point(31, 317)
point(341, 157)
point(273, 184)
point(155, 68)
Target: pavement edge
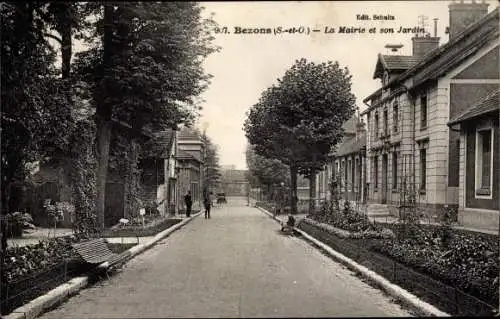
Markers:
point(423, 308)
point(62, 292)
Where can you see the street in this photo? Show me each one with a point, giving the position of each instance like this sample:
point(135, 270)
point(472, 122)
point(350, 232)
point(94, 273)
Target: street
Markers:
point(236, 264)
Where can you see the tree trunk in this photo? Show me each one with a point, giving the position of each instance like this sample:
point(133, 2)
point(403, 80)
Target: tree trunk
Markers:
point(103, 119)
point(293, 189)
point(66, 52)
point(103, 140)
point(312, 192)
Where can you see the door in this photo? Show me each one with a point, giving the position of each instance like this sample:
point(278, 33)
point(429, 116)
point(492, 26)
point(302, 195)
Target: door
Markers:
point(383, 194)
point(114, 206)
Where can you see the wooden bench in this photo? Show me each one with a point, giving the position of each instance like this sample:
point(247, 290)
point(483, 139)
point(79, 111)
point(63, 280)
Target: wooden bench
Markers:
point(97, 252)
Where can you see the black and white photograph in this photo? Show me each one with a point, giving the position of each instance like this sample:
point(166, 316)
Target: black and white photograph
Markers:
point(250, 159)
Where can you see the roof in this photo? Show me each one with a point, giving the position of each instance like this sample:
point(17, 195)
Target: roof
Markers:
point(188, 155)
point(393, 63)
point(489, 103)
point(350, 125)
point(439, 61)
point(465, 44)
point(187, 133)
point(351, 145)
point(160, 144)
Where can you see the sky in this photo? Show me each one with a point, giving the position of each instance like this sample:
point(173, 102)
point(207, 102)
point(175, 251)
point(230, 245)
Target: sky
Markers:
point(249, 63)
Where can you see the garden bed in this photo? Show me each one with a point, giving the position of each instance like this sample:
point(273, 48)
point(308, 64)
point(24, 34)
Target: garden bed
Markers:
point(34, 270)
point(150, 228)
point(414, 274)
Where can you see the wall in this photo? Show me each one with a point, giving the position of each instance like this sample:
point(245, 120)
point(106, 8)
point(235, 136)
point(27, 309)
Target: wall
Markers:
point(470, 200)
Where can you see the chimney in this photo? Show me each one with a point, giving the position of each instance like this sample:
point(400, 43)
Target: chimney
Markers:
point(463, 15)
point(422, 45)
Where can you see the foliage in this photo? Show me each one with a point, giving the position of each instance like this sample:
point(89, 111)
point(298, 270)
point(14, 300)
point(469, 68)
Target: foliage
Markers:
point(82, 175)
point(342, 233)
point(266, 171)
point(156, 56)
point(57, 210)
point(469, 262)
point(346, 219)
point(22, 261)
point(17, 222)
point(212, 175)
point(36, 106)
point(299, 120)
point(334, 186)
point(152, 226)
point(146, 71)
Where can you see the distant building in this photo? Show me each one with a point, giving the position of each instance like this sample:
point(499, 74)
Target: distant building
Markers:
point(234, 182)
point(190, 160)
point(346, 164)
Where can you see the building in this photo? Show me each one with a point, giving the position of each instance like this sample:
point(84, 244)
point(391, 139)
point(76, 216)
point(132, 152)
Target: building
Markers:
point(479, 173)
point(349, 162)
point(159, 173)
point(409, 145)
point(190, 155)
point(235, 182)
point(346, 164)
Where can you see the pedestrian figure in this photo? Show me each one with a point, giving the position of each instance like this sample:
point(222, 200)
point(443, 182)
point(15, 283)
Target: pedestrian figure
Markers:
point(207, 201)
point(189, 203)
point(290, 223)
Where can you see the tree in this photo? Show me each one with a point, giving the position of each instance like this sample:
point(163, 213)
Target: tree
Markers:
point(68, 20)
point(36, 114)
point(147, 71)
point(267, 172)
point(212, 175)
point(300, 119)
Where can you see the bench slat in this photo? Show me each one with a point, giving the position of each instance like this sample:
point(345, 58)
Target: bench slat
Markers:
point(94, 251)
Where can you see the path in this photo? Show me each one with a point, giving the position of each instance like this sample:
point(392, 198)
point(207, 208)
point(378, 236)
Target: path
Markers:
point(236, 264)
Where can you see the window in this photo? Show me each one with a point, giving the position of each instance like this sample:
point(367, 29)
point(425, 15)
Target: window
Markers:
point(423, 112)
point(349, 174)
point(343, 173)
point(375, 172)
point(386, 132)
point(356, 169)
point(395, 170)
point(376, 125)
point(484, 161)
point(423, 168)
point(395, 117)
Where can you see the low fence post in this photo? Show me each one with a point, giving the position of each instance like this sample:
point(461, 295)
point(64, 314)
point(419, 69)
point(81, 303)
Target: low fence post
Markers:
point(65, 270)
point(6, 301)
point(394, 277)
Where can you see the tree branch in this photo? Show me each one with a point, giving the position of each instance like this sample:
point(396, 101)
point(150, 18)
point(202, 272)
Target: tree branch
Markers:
point(53, 37)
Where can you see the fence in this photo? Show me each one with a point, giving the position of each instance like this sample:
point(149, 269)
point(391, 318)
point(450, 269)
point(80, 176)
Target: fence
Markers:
point(17, 293)
point(445, 297)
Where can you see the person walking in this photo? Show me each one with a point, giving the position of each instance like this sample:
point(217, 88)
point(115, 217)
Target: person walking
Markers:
point(207, 201)
point(189, 203)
